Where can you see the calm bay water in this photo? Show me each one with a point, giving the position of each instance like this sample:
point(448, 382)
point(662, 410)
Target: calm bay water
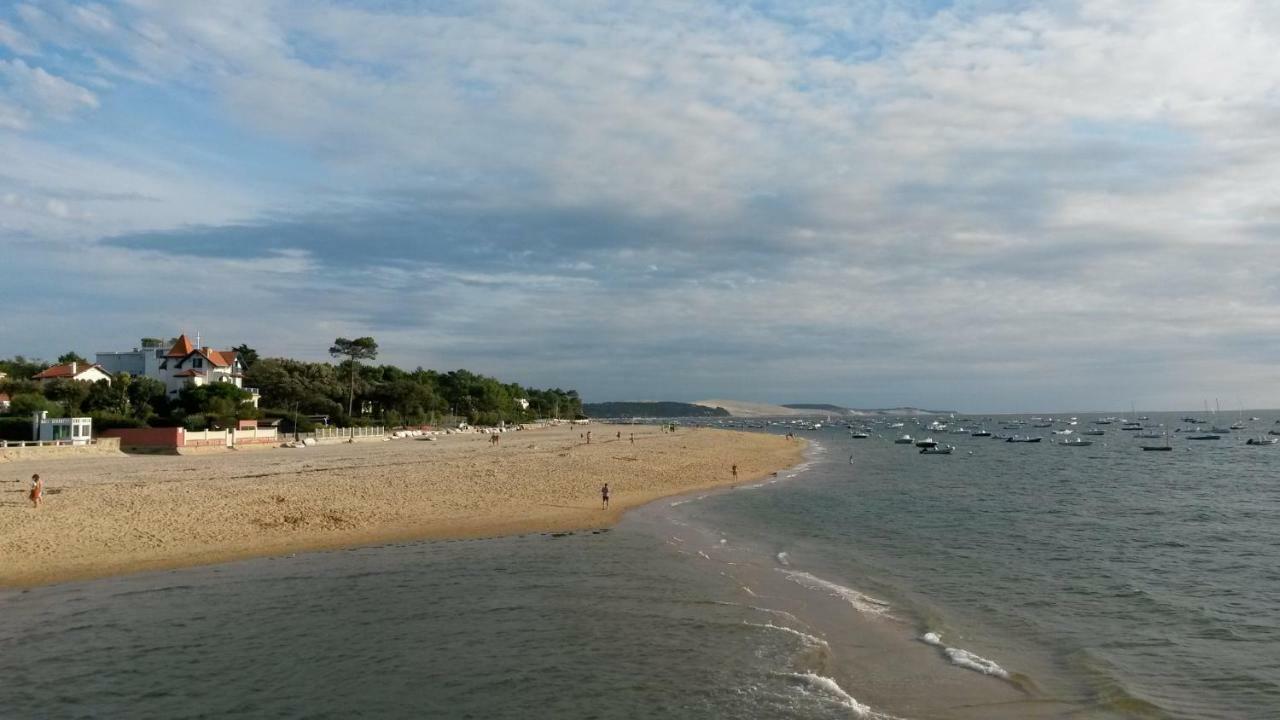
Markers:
point(1049, 582)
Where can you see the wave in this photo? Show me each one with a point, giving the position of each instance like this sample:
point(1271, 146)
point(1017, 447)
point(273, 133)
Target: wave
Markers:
point(965, 659)
point(832, 688)
point(860, 601)
point(784, 558)
point(806, 638)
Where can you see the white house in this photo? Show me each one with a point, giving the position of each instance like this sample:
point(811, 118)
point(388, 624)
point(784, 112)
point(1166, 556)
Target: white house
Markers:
point(5, 402)
point(76, 431)
point(181, 365)
point(83, 372)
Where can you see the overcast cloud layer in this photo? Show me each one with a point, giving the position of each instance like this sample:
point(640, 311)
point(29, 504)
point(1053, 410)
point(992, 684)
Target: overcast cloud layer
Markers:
point(982, 204)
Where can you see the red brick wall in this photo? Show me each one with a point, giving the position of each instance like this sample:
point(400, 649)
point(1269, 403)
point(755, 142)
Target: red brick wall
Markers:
point(147, 437)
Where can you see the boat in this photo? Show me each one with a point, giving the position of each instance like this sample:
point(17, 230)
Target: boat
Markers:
point(1159, 448)
point(1023, 439)
point(1273, 432)
point(1198, 435)
point(1094, 432)
point(1067, 431)
point(937, 450)
point(859, 435)
point(1076, 442)
point(1262, 441)
point(927, 443)
point(980, 433)
point(1043, 425)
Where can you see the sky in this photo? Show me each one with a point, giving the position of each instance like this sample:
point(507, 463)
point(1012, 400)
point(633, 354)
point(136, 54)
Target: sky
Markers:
point(985, 205)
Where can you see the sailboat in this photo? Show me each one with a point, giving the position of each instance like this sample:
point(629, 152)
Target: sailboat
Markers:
point(1159, 448)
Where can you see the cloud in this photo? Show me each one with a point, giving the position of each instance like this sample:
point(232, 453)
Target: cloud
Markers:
point(986, 204)
point(31, 92)
point(16, 41)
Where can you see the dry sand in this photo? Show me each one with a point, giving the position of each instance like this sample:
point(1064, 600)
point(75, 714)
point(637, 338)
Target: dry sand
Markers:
point(112, 515)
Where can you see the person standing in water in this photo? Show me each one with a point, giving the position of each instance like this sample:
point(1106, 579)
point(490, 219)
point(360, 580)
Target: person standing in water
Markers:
point(37, 490)
point(604, 497)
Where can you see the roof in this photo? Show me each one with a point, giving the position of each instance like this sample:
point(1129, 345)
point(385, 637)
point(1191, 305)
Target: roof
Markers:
point(182, 348)
point(65, 371)
point(188, 373)
point(221, 358)
point(4, 397)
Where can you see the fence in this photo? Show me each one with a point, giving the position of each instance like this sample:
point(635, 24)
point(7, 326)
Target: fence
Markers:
point(336, 433)
point(45, 443)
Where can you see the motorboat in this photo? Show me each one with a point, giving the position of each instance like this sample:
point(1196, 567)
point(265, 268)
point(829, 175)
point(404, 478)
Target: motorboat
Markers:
point(1094, 432)
point(980, 433)
point(1023, 439)
point(859, 435)
point(927, 443)
point(1067, 431)
point(1076, 442)
point(1203, 435)
point(904, 440)
point(1262, 441)
point(937, 450)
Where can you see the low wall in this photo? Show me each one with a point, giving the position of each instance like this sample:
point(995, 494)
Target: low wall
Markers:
point(101, 446)
point(147, 437)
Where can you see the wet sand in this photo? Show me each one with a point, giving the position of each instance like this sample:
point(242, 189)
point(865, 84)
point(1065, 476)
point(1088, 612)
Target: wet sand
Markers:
point(113, 515)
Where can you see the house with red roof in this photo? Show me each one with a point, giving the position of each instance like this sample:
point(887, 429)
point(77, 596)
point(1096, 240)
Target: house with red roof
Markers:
point(182, 364)
point(82, 372)
point(5, 402)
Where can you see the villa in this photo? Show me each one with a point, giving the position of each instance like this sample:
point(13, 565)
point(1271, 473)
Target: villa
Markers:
point(82, 372)
point(180, 365)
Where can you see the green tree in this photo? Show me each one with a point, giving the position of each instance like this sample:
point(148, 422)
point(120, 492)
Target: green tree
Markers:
point(248, 355)
point(72, 356)
point(363, 348)
point(147, 397)
point(26, 404)
point(69, 393)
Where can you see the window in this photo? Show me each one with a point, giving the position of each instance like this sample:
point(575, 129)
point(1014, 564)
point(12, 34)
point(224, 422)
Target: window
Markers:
point(197, 363)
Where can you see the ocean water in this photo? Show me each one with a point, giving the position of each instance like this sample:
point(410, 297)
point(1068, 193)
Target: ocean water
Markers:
point(1003, 581)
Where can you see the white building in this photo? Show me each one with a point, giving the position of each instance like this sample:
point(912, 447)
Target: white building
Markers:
point(82, 372)
point(76, 431)
point(181, 365)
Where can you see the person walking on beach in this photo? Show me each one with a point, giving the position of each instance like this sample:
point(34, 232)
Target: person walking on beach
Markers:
point(735, 470)
point(588, 437)
point(604, 497)
point(633, 438)
point(619, 434)
point(37, 490)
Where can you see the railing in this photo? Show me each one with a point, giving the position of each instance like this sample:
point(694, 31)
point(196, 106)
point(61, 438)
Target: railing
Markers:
point(336, 433)
point(45, 443)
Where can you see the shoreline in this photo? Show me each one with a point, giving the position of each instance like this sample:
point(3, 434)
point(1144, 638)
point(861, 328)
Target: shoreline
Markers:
point(143, 513)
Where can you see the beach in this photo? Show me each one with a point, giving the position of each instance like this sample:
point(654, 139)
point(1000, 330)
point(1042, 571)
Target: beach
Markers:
point(114, 515)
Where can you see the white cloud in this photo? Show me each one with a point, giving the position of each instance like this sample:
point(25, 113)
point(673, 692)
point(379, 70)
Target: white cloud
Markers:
point(16, 41)
point(981, 192)
point(39, 93)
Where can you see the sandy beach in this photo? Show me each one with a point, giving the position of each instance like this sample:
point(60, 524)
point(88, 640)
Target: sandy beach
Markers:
point(111, 515)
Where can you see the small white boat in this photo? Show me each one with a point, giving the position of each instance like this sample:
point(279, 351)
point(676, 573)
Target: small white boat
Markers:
point(904, 440)
point(1262, 441)
point(927, 443)
point(937, 450)
point(1062, 432)
point(1077, 442)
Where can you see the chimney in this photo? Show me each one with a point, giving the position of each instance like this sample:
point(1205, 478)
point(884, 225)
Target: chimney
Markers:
point(74, 368)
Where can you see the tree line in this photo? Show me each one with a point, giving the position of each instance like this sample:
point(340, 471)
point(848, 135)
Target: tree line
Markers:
point(352, 391)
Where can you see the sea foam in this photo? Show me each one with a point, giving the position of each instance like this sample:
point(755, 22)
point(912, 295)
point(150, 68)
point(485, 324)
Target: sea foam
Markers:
point(806, 638)
point(964, 658)
point(830, 687)
point(860, 601)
